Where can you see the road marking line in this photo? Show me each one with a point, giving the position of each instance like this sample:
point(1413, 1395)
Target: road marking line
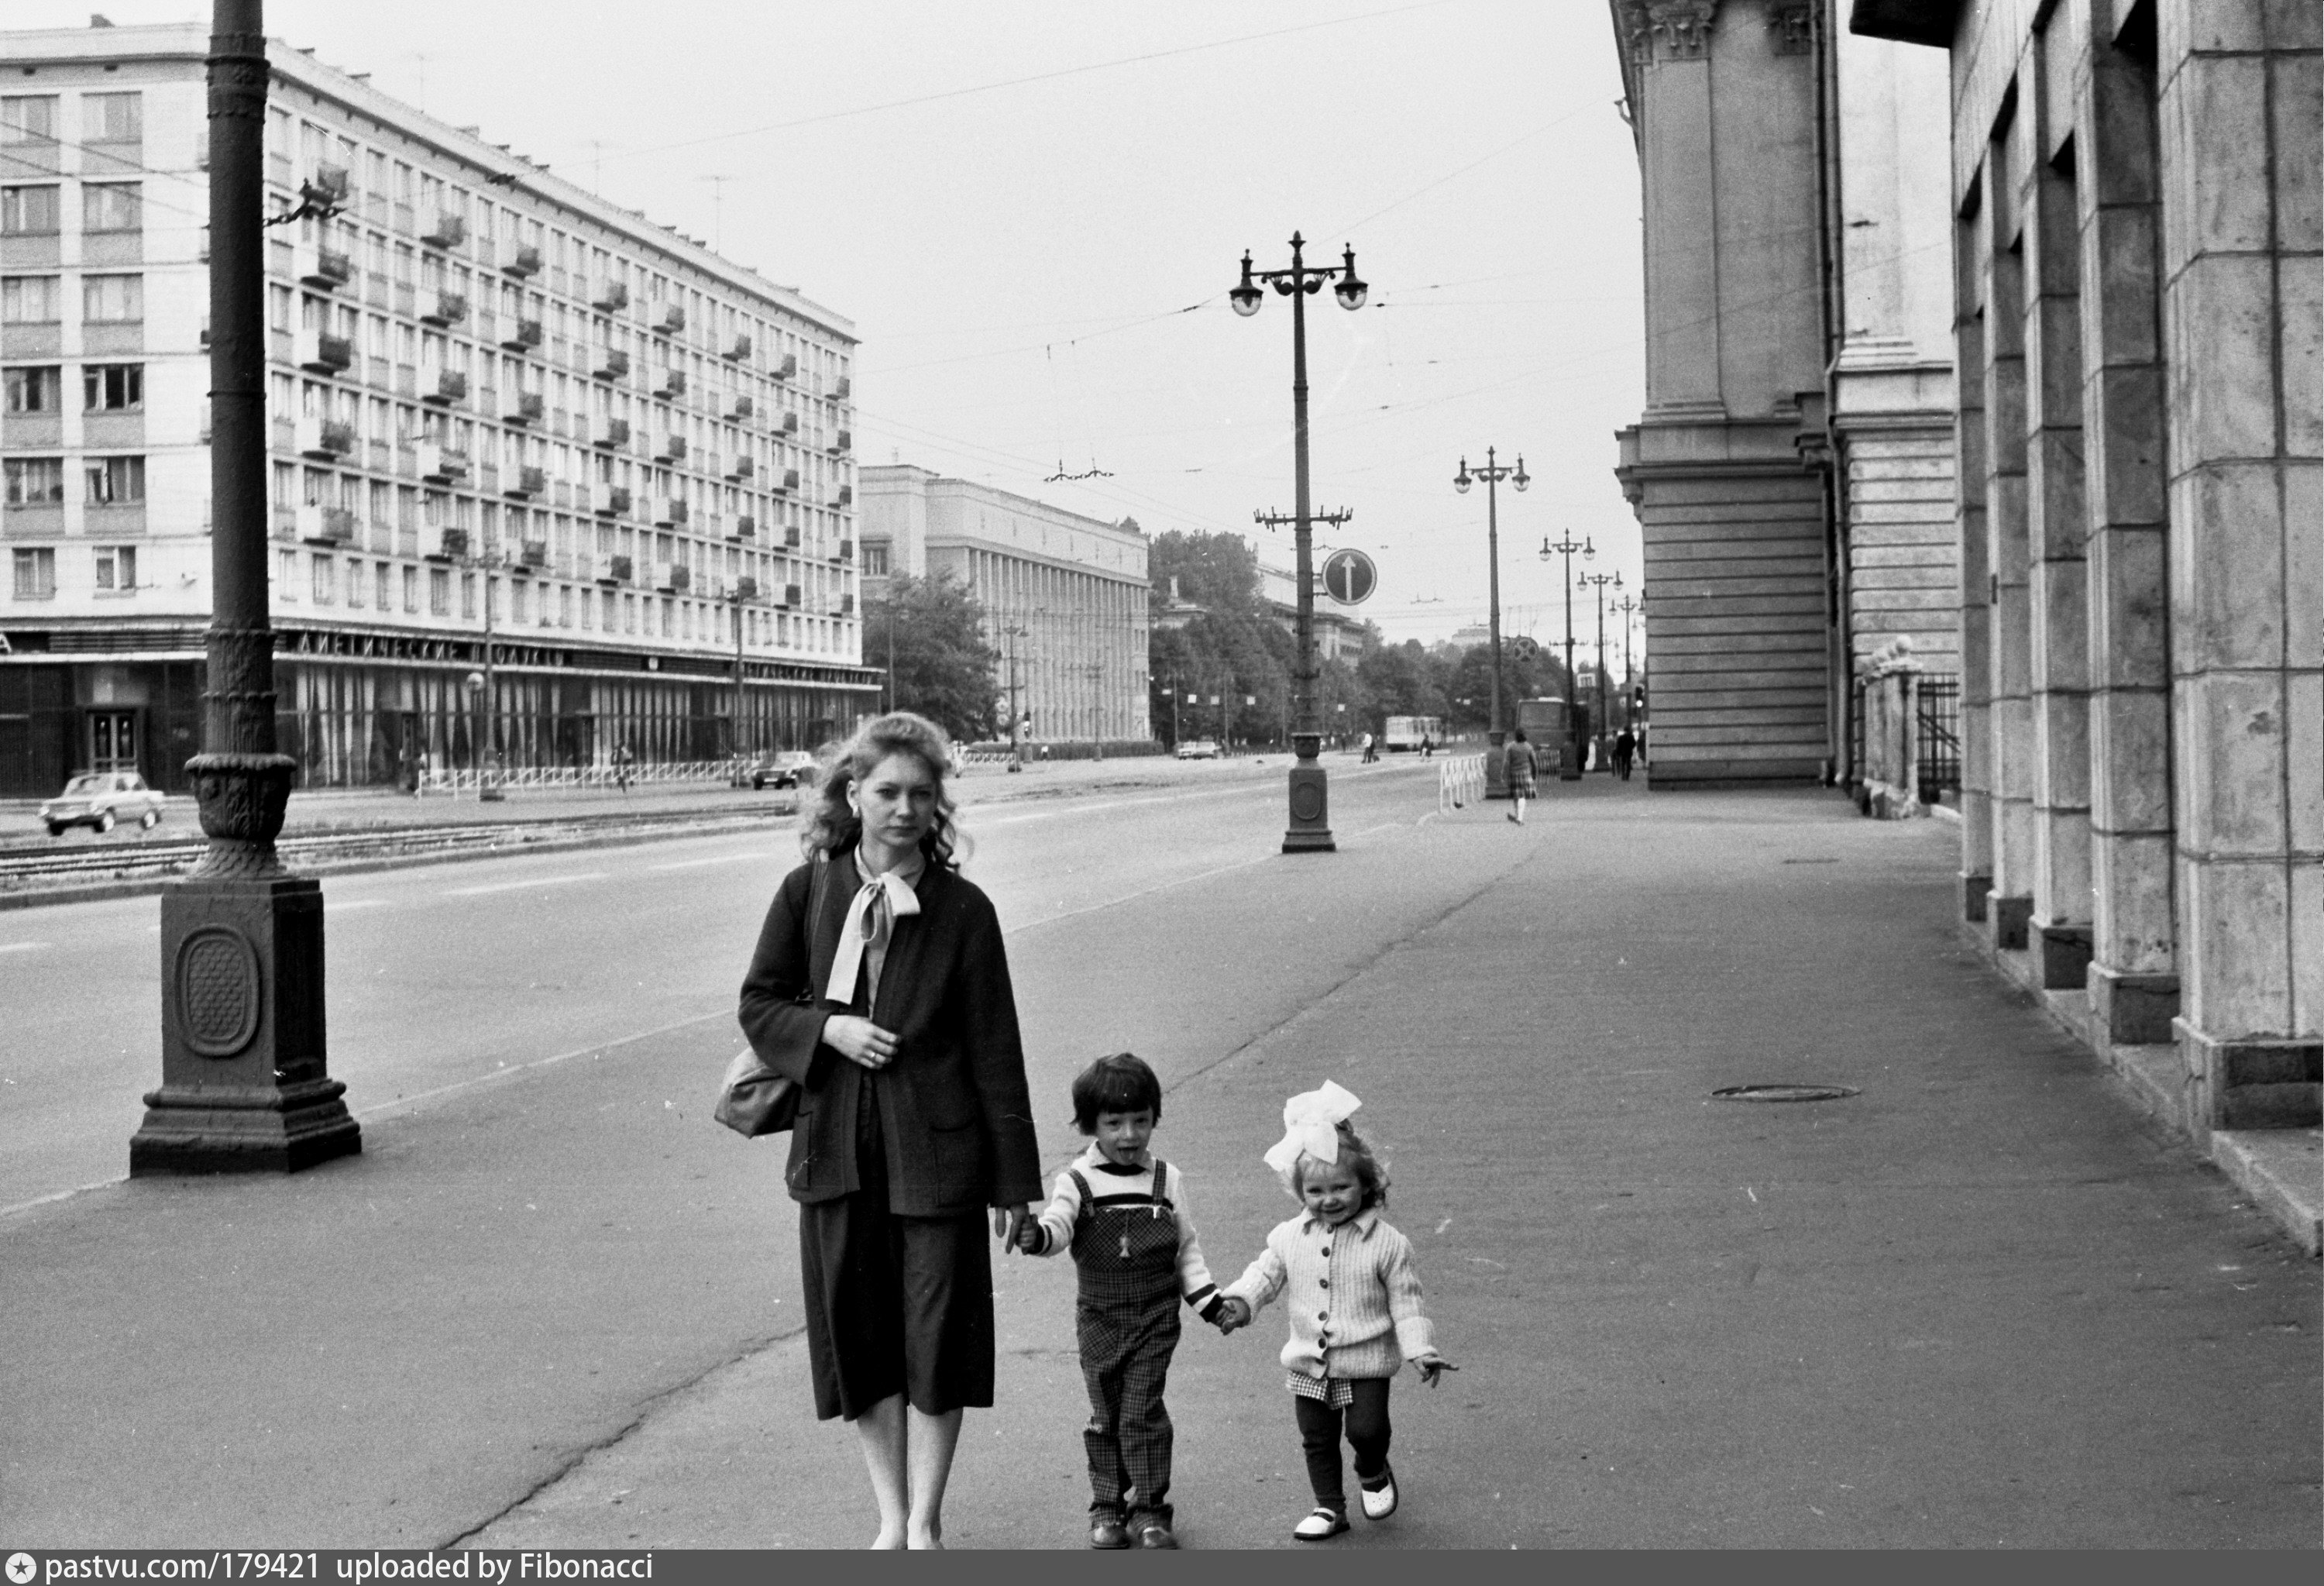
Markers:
point(1384, 827)
point(341, 908)
point(21, 946)
point(713, 859)
point(498, 1075)
point(595, 875)
point(1133, 897)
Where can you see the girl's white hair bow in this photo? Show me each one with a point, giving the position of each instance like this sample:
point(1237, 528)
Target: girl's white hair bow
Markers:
point(1311, 1128)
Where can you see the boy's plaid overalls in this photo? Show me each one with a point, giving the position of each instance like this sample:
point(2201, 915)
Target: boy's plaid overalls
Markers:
point(1126, 1252)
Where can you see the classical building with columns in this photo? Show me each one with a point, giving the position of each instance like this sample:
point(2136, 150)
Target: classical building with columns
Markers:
point(2138, 267)
point(1793, 472)
point(1064, 596)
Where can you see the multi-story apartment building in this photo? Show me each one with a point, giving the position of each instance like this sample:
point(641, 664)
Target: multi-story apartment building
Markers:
point(503, 411)
point(1064, 596)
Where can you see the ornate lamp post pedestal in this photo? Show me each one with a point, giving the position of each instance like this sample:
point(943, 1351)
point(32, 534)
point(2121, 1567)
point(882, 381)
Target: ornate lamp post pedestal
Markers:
point(244, 1086)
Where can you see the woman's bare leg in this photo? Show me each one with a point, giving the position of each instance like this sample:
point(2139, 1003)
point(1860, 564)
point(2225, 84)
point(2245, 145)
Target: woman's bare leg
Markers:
point(933, 1440)
point(881, 1430)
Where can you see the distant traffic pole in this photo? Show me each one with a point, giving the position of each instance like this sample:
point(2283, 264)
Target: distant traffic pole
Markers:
point(243, 1084)
point(1310, 828)
point(1598, 727)
point(1569, 763)
point(1492, 473)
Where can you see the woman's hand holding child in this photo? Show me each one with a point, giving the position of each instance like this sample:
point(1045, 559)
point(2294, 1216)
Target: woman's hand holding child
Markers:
point(1233, 1312)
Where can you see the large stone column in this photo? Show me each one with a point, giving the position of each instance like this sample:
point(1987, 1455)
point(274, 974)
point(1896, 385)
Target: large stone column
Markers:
point(1978, 818)
point(2010, 673)
point(2056, 524)
point(2133, 977)
point(2242, 291)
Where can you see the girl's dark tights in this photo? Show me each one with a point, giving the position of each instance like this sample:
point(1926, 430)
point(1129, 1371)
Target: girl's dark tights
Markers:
point(1366, 1421)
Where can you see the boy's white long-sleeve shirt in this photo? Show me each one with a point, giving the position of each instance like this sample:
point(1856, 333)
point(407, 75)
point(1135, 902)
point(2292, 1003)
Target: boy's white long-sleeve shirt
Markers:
point(1353, 1296)
point(1108, 1183)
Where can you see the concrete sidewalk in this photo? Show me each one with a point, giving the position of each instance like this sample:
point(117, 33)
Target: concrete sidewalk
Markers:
point(1979, 1302)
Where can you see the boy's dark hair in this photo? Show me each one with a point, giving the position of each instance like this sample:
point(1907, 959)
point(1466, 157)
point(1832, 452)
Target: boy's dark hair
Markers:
point(1356, 1155)
point(1118, 1083)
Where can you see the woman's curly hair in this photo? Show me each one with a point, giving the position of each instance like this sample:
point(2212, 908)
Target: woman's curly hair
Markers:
point(833, 826)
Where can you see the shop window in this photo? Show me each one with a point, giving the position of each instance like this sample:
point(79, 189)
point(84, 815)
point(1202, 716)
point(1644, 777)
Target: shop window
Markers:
point(36, 573)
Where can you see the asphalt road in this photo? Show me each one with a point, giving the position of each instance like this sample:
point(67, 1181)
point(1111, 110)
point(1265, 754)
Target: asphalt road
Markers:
point(1979, 1303)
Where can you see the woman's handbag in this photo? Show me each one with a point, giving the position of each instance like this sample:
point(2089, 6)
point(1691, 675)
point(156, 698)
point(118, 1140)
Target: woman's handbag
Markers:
point(753, 1100)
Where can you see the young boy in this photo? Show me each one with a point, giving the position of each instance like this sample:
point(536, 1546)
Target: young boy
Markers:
point(1123, 1214)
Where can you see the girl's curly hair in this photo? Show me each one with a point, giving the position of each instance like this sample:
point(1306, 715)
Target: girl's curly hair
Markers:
point(834, 828)
point(1356, 1155)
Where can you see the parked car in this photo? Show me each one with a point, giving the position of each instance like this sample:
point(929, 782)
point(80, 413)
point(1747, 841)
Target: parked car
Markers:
point(1199, 749)
point(101, 798)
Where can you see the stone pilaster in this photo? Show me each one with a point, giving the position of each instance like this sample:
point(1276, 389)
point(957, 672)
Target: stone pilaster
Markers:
point(2134, 979)
point(1972, 545)
point(2010, 634)
point(2243, 301)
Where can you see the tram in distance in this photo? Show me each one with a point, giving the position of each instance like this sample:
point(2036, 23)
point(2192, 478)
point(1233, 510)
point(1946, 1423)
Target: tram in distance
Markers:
point(1405, 732)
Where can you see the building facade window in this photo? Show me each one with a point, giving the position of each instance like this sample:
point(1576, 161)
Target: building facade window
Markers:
point(29, 118)
point(113, 388)
point(439, 592)
point(35, 481)
point(323, 575)
point(111, 206)
point(111, 300)
point(28, 211)
point(411, 590)
point(116, 567)
point(32, 390)
point(113, 118)
point(36, 573)
point(116, 481)
point(29, 300)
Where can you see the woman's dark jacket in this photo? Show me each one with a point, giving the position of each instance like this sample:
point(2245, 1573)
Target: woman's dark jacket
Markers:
point(953, 1105)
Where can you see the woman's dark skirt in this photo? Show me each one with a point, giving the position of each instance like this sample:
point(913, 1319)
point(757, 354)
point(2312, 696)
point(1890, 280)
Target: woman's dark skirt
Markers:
point(894, 1305)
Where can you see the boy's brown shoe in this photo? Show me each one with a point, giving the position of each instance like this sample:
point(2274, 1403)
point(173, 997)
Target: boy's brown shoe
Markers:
point(1155, 1534)
point(1107, 1531)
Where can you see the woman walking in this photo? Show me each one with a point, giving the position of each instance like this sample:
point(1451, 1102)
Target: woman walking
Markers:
point(879, 986)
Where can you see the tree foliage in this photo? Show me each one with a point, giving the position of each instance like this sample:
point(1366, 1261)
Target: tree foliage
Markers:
point(929, 633)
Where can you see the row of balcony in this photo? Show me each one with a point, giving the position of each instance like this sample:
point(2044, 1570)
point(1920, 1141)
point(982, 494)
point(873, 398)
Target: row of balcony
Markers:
point(330, 439)
point(319, 352)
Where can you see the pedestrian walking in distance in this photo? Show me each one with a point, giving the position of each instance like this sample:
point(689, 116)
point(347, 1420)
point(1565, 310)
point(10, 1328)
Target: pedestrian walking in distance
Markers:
point(1352, 1297)
point(1517, 766)
point(1122, 1213)
point(880, 988)
point(1626, 745)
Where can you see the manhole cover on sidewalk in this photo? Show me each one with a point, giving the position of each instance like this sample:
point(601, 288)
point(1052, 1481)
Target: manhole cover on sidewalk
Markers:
point(1784, 1092)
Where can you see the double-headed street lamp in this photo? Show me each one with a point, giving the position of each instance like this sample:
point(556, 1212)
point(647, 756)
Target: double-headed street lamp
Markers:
point(486, 750)
point(1627, 606)
point(1310, 828)
point(1568, 760)
point(1601, 580)
point(1492, 473)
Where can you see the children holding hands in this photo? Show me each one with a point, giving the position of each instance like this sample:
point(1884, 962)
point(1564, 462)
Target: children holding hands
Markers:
point(1350, 1288)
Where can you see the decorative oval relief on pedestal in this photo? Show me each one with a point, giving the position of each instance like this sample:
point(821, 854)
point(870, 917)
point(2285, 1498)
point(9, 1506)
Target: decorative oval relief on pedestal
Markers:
point(1306, 801)
point(217, 990)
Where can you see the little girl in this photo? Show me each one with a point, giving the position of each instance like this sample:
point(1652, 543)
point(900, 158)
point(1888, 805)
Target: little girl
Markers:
point(1354, 1304)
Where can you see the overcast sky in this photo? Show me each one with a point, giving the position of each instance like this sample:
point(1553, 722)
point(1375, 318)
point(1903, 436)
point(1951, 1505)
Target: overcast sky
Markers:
point(1032, 210)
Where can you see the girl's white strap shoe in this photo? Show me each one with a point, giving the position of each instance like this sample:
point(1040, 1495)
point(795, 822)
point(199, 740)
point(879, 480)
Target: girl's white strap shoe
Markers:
point(1321, 1526)
point(1379, 1502)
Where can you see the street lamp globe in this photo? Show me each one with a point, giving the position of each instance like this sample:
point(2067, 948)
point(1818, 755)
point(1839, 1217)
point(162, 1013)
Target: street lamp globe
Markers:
point(1460, 480)
point(1349, 291)
point(475, 682)
point(1521, 479)
point(1247, 297)
point(1589, 551)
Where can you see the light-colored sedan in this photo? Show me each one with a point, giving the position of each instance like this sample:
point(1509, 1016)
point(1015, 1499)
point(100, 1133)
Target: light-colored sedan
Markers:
point(100, 800)
point(1199, 749)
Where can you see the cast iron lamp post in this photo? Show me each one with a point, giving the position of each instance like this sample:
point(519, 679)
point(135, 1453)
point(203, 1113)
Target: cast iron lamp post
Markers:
point(481, 683)
point(1627, 606)
point(1310, 828)
point(1492, 473)
point(1569, 764)
point(1598, 727)
point(245, 1086)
